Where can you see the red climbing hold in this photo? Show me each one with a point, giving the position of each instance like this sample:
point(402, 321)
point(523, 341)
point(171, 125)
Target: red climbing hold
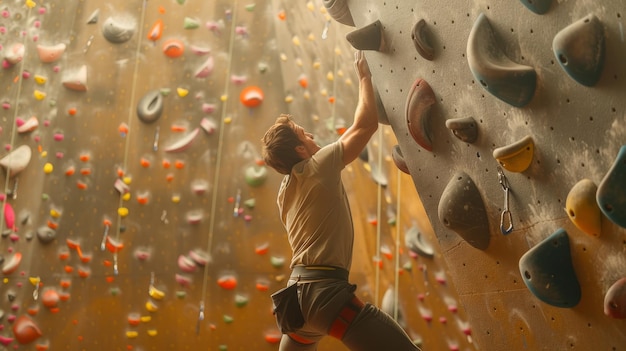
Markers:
point(251, 96)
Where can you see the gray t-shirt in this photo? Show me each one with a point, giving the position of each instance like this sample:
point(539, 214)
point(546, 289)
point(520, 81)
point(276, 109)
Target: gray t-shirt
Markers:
point(314, 209)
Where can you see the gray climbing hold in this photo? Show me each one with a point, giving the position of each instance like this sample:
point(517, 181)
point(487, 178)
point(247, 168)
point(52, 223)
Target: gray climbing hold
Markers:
point(508, 81)
point(339, 11)
point(537, 6)
point(462, 210)
point(615, 300)
point(611, 195)
point(580, 50)
point(118, 30)
point(416, 242)
point(45, 234)
point(93, 18)
point(421, 37)
point(464, 128)
point(369, 37)
point(150, 107)
point(398, 159)
point(548, 272)
point(419, 103)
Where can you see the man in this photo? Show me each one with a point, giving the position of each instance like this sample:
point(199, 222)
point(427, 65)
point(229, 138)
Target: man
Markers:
point(314, 209)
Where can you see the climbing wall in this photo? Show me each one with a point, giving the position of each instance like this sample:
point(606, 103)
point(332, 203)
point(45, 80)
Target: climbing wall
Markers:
point(136, 212)
point(510, 120)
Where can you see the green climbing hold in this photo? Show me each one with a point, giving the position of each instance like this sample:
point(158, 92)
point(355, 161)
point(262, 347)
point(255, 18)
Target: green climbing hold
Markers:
point(191, 23)
point(250, 7)
point(180, 1)
point(165, 91)
point(277, 262)
point(228, 319)
point(250, 203)
point(181, 294)
point(240, 300)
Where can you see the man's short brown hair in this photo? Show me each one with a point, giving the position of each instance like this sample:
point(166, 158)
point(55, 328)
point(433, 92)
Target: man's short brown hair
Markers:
point(280, 141)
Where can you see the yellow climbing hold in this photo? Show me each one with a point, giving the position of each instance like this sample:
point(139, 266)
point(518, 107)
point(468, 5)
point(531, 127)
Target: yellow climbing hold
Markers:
point(48, 168)
point(126, 196)
point(122, 211)
point(228, 119)
point(5, 280)
point(175, 199)
point(182, 92)
point(223, 98)
point(132, 334)
point(156, 293)
point(34, 280)
point(145, 319)
point(582, 208)
point(289, 98)
point(330, 76)
point(516, 157)
point(30, 4)
point(151, 306)
point(127, 180)
point(40, 79)
point(152, 332)
point(44, 153)
point(54, 213)
point(39, 95)
point(295, 40)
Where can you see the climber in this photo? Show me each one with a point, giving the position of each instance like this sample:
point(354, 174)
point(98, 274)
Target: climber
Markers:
point(314, 209)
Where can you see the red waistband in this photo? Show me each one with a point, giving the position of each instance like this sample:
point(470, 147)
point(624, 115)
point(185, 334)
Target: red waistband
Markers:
point(347, 314)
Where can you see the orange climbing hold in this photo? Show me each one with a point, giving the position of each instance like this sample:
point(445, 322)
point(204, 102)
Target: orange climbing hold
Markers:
point(72, 111)
point(70, 171)
point(251, 96)
point(156, 31)
point(166, 164)
point(145, 163)
point(81, 185)
point(173, 48)
point(282, 15)
point(85, 157)
point(179, 164)
point(227, 282)
point(113, 245)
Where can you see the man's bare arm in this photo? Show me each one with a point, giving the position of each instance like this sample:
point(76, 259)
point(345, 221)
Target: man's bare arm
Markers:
point(365, 122)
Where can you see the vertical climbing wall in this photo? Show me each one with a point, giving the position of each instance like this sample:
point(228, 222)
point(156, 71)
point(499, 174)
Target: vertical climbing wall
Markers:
point(543, 82)
point(136, 213)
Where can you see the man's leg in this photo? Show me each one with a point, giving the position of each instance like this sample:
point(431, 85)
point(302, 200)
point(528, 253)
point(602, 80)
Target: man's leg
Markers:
point(374, 330)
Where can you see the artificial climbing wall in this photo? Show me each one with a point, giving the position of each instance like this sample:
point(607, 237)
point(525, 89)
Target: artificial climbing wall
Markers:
point(543, 83)
point(137, 215)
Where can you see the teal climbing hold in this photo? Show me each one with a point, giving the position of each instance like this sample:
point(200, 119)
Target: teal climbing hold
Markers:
point(537, 6)
point(548, 272)
point(611, 195)
point(461, 209)
point(580, 50)
point(507, 80)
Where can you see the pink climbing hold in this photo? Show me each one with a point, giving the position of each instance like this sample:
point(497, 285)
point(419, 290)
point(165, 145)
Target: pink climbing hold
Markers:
point(615, 300)
point(12, 263)
point(9, 216)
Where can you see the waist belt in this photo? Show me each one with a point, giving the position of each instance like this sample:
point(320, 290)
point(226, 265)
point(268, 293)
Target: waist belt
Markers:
point(347, 314)
point(318, 272)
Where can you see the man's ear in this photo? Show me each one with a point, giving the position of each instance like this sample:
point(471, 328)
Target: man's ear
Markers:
point(301, 151)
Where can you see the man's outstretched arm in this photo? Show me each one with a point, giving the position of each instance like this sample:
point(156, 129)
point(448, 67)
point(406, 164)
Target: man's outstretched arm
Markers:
point(365, 122)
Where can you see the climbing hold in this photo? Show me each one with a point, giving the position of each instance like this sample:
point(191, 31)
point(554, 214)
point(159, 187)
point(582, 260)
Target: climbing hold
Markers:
point(582, 208)
point(12, 263)
point(9, 216)
point(150, 107)
point(93, 18)
point(241, 300)
point(200, 50)
point(191, 23)
point(369, 37)
point(39, 95)
point(206, 68)
point(194, 217)
point(50, 298)
point(50, 53)
point(416, 242)
point(251, 96)
point(45, 234)
point(182, 92)
point(156, 31)
point(615, 300)
point(200, 257)
point(461, 209)
point(228, 282)
point(422, 41)
point(155, 293)
point(15, 53)
point(256, 175)
point(25, 330)
point(464, 128)
point(16, 160)
point(151, 306)
point(208, 125)
point(548, 272)
point(398, 159)
point(611, 195)
point(419, 103)
point(508, 81)
point(389, 305)
point(28, 126)
point(380, 108)
point(516, 157)
point(580, 50)
point(76, 79)
point(277, 262)
point(173, 48)
point(186, 264)
point(183, 143)
point(118, 30)
point(339, 11)
point(537, 6)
